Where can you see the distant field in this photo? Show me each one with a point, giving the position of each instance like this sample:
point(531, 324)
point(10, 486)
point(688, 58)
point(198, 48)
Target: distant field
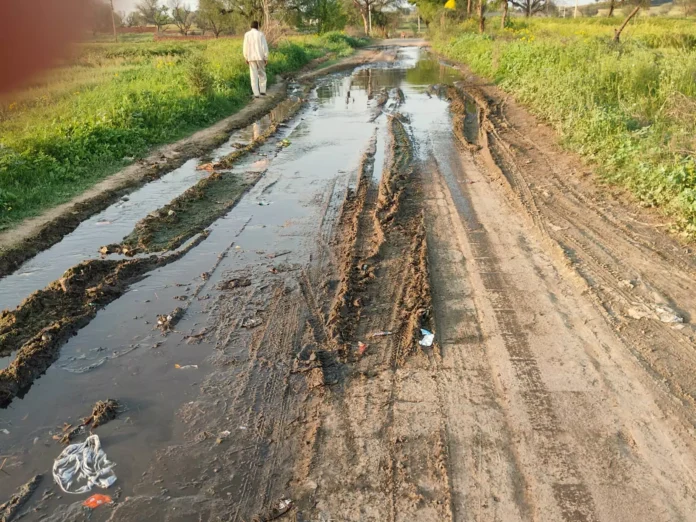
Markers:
point(115, 101)
point(630, 108)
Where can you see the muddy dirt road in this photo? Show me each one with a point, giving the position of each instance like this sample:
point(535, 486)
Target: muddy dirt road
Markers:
point(270, 368)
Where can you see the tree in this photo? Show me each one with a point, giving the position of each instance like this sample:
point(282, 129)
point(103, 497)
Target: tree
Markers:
point(182, 14)
point(617, 32)
point(367, 8)
point(386, 21)
point(134, 19)
point(503, 19)
point(428, 10)
point(481, 17)
point(638, 4)
point(101, 17)
point(688, 6)
point(323, 15)
point(248, 10)
point(211, 16)
point(153, 13)
point(529, 7)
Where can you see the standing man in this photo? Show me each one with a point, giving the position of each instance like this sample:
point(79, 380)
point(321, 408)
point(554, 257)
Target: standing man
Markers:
point(256, 55)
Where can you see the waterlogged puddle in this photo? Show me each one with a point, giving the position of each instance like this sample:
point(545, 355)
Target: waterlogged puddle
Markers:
point(120, 355)
point(117, 221)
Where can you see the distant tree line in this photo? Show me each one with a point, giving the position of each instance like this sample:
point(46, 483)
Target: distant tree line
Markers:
point(220, 17)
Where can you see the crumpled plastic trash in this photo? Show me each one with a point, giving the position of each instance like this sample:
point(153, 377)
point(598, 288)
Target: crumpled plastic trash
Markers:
point(428, 338)
point(362, 347)
point(97, 500)
point(86, 463)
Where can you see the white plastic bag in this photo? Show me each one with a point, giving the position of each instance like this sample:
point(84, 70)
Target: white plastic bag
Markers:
point(428, 338)
point(83, 462)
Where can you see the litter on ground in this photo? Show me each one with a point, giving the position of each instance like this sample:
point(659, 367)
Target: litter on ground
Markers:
point(82, 466)
point(97, 500)
point(428, 338)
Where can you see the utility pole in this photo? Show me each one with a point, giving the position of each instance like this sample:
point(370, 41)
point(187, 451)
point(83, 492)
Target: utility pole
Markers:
point(113, 21)
point(575, 15)
point(369, 17)
point(418, 24)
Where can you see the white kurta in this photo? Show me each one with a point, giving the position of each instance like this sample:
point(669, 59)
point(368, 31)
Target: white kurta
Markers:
point(255, 46)
point(256, 53)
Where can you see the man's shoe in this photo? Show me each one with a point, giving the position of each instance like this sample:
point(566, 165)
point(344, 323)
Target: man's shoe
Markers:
point(263, 94)
point(256, 97)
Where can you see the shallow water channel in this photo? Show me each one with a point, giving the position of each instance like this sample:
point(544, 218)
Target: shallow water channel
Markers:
point(290, 211)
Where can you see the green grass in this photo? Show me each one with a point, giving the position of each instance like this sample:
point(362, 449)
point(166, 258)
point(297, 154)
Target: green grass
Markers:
point(114, 102)
point(630, 108)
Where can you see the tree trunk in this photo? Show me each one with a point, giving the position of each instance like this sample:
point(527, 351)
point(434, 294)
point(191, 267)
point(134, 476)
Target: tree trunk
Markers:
point(481, 18)
point(468, 8)
point(505, 12)
point(612, 5)
point(362, 13)
point(617, 33)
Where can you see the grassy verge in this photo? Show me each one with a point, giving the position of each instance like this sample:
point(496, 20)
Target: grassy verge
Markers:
point(114, 102)
point(630, 107)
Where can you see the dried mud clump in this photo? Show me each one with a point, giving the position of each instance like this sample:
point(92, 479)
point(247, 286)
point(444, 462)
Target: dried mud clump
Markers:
point(102, 412)
point(231, 284)
point(167, 322)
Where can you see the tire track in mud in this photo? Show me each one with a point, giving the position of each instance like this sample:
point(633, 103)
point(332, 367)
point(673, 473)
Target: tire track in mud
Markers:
point(635, 278)
point(209, 199)
point(570, 492)
point(366, 460)
point(485, 472)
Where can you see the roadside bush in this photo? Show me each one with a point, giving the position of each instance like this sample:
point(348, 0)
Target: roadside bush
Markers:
point(197, 72)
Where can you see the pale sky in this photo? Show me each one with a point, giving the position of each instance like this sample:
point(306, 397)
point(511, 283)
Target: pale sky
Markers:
point(129, 5)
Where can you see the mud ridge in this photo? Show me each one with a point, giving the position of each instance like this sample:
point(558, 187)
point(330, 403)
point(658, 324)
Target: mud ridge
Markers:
point(199, 206)
point(350, 267)
point(416, 307)
point(10, 509)
point(381, 228)
point(47, 319)
point(398, 173)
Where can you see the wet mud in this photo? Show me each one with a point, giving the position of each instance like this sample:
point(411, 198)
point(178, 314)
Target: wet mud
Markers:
point(286, 379)
point(10, 509)
point(170, 226)
point(45, 321)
